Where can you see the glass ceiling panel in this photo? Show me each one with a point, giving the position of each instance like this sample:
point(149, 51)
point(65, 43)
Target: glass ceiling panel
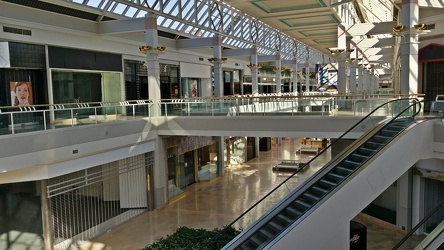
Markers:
point(119, 8)
point(199, 21)
point(94, 3)
point(131, 12)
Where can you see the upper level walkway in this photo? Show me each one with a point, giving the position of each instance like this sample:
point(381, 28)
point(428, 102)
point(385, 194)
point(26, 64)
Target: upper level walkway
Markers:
point(234, 115)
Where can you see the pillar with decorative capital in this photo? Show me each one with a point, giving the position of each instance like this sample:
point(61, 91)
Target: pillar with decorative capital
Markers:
point(307, 77)
point(352, 76)
point(409, 49)
point(342, 74)
point(360, 88)
point(217, 66)
point(254, 72)
point(152, 59)
point(294, 75)
point(278, 74)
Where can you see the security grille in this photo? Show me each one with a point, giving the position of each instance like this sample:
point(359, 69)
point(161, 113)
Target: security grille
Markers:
point(88, 203)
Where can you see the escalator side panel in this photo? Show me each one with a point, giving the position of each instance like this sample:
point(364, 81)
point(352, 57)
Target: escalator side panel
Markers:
point(327, 226)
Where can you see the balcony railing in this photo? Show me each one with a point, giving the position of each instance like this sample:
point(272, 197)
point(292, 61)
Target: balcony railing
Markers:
point(15, 120)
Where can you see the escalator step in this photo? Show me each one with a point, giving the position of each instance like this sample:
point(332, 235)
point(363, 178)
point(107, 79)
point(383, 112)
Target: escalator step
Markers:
point(343, 170)
point(256, 241)
point(351, 164)
point(266, 234)
point(366, 151)
point(327, 184)
point(311, 197)
point(304, 204)
point(284, 220)
point(294, 213)
point(373, 145)
point(389, 133)
point(380, 138)
point(276, 227)
point(358, 157)
point(335, 177)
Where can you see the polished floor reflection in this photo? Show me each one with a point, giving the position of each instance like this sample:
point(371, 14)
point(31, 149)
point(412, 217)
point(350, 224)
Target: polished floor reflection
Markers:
point(214, 204)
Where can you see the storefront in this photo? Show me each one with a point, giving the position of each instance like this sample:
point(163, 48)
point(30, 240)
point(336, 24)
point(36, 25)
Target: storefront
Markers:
point(190, 159)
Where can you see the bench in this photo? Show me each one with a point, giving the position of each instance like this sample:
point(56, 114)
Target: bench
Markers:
point(290, 165)
point(308, 149)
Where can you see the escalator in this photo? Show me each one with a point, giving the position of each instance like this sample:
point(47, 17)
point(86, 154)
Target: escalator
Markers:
point(428, 234)
point(286, 206)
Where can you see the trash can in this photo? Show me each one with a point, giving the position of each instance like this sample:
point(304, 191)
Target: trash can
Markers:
point(358, 236)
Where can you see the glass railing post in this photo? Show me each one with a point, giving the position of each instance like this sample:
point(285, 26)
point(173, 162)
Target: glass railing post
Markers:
point(12, 123)
point(72, 118)
point(44, 120)
point(95, 114)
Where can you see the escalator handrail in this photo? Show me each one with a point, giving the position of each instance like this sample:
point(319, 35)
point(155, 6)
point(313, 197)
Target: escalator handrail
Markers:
point(420, 224)
point(293, 174)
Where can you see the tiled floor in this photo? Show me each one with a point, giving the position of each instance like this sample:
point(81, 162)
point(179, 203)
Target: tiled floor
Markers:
point(214, 204)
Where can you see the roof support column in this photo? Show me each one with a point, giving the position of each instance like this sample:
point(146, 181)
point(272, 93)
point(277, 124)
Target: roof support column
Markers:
point(307, 77)
point(254, 72)
point(409, 49)
point(278, 74)
point(294, 75)
point(360, 89)
point(342, 76)
point(217, 67)
point(152, 59)
point(353, 77)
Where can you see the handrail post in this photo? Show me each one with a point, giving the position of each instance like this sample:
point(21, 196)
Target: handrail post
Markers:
point(95, 114)
point(12, 123)
point(44, 120)
point(72, 118)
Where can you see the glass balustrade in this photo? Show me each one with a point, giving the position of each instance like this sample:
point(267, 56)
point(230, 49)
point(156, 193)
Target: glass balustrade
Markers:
point(15, 120)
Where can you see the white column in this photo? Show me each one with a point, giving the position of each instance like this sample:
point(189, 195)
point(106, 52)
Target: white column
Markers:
point(409, 49)
point(217, 67)
point(254, 73)
point(278, 76)
point(152, 59)
point(342, 76)
point(353, 77)
point(294, 75)
point(360, 79)
point(307, 77)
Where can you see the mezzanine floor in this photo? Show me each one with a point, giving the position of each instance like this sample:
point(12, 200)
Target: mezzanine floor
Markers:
point(214, 204)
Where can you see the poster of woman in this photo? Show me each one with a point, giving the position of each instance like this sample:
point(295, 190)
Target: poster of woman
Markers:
point(193, 90)
point(21, 93)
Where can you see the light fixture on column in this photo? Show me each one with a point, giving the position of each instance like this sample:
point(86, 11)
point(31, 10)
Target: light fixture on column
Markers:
point(277, 68)
point(336, 51)
point(146, 49)
point(215, 59)
point(421, 26)
point(399, 28)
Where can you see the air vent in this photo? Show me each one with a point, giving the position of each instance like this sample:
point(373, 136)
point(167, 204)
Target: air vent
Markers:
point(431, 26)
point(201, 59)
point(236, 64)
point(16, 31)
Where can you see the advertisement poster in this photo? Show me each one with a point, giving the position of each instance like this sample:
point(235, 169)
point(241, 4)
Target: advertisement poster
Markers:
point(21, 93)
point(193, 88)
